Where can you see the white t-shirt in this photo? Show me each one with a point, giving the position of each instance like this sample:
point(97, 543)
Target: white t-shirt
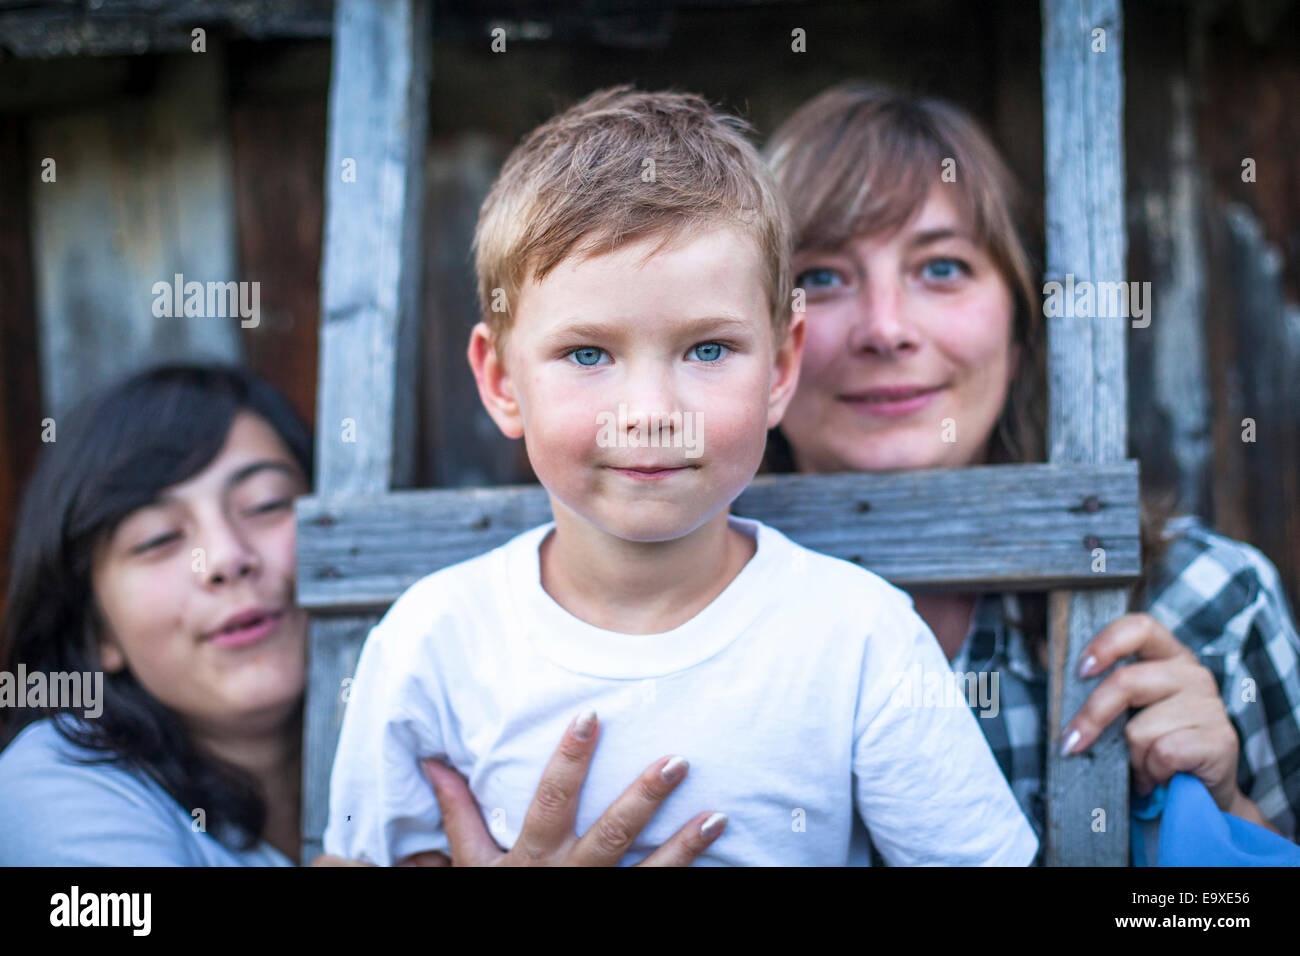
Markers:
point(782, 693)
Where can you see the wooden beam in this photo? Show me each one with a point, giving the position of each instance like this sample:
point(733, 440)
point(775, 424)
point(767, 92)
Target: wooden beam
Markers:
point(365, 432)
point(1083, 104)
point(999, 527)
point(374, 175)
point(335, 647)
point(133, 27)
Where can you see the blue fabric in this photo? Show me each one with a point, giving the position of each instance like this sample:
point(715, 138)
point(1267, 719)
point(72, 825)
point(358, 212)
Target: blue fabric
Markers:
point(1195, 832)
point(57, 811)
point(1145, 813)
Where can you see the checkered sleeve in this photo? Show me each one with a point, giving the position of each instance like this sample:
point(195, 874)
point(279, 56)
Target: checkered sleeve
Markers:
point(1224, 600)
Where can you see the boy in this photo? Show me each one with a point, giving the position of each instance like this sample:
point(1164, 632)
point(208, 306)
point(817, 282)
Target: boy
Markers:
point(637, 333)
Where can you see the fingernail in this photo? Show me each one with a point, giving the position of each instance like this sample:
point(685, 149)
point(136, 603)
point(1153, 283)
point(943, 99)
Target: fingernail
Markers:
point(585, 725)
point(713, 826)
point(674, 769)
point(1087, 666)
point(1071, 739)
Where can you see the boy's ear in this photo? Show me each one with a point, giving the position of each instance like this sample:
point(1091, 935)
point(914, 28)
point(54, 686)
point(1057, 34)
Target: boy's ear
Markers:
point(785, 370)
point(495, 389)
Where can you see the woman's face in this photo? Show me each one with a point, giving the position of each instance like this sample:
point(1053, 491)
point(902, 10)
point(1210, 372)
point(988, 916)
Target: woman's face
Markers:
point(908, 353)
point(196, 591)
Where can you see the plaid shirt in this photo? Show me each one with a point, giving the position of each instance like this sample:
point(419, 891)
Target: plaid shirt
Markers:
point(1223, 600)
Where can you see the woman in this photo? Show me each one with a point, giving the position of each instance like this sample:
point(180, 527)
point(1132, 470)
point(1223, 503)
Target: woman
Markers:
point(923, 317)
point(153, 573)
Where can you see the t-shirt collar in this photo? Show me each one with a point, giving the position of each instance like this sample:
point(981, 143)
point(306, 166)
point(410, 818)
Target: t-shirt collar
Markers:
point(584, 648)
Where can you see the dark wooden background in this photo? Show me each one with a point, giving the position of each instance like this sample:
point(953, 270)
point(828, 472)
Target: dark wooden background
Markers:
point(1208, 85)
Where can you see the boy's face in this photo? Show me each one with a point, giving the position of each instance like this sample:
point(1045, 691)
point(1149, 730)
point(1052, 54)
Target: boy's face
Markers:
point(644, 390)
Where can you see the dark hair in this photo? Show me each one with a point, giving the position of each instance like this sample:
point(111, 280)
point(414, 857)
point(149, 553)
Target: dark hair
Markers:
point(112, 455)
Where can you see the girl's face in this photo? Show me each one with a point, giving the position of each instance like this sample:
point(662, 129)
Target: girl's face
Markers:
point(908, 352)
point(196, 591)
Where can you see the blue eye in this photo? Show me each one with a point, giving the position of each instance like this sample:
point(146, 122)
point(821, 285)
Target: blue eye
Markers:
point(708, 351)
point(587, 356)
point(817, 279)
point(944, 270)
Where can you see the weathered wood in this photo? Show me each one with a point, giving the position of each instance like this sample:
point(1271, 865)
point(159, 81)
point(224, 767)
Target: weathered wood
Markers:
point(370, 276)
point(279, 153)
point(20, 404)
point(132, 27)
point(460, 446)
point(1084, 165)
point(1028, 526)
point(370, 283)
point(335, 647)
point(1261, 433)
point(142, 192)
point(1171, 420)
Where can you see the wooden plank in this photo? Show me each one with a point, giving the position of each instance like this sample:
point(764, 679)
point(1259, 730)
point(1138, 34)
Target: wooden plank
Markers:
point(142, 192)
point(133, 27)
point(459, 445)
point(20, 395)
point(370, 276)
point(335, 647)
point(1083, 93)
point(369, 287)
point(279, 153)
point(1257, 493)
point(1008, 526)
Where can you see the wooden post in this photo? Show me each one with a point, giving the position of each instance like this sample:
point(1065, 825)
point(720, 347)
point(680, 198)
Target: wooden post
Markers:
point(1083, 93)
point(369, 293)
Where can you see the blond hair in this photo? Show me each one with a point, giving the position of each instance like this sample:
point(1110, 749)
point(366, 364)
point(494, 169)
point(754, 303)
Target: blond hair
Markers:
point(617, 168)
point(861, 160)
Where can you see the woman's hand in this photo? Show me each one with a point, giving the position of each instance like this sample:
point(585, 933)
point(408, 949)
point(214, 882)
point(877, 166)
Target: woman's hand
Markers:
point(548, 838)
point(1181, 724)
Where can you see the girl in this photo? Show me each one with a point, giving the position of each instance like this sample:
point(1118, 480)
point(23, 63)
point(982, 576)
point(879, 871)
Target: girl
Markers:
point(155, 552)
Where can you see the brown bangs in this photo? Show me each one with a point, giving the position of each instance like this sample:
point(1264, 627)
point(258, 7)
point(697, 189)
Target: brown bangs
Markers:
point(862, 160)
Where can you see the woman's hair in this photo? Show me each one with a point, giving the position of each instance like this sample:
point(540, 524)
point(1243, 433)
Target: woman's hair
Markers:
point(112, 455)
point(862, 159)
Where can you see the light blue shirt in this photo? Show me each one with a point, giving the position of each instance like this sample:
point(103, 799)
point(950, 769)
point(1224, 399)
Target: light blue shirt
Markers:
point(55, 811)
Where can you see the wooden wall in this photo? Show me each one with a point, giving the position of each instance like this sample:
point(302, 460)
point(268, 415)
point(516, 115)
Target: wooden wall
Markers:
point(20, 407)
point(1211, 86)
point(1208, 85)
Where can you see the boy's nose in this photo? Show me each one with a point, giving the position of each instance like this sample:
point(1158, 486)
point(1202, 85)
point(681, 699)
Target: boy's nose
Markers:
point(649, 399)
point(651, 392)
